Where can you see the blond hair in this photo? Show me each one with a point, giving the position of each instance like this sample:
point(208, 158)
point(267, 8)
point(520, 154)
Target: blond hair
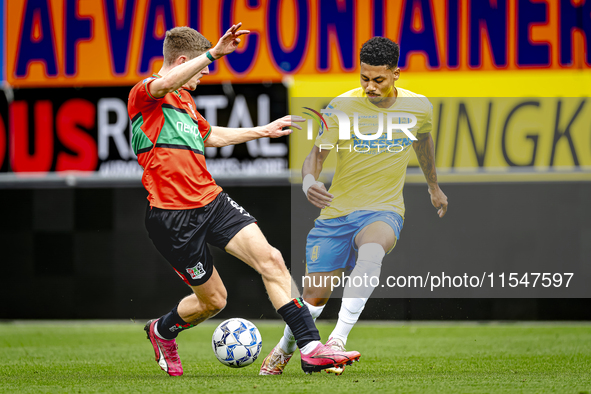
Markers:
point(185, 41)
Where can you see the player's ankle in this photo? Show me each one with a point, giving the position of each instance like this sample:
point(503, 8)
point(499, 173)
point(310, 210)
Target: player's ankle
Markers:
point(287, 346)
point(158, 333)
point(309, 347)
point(341, 338)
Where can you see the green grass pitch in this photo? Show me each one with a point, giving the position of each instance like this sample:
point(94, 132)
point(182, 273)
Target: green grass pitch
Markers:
point(396, 357)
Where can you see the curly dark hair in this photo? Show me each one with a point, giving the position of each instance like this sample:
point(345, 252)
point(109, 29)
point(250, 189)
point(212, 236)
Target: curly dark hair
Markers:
point(380, 51)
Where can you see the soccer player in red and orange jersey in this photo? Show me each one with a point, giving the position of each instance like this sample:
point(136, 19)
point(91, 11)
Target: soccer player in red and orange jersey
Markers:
point(188, 210)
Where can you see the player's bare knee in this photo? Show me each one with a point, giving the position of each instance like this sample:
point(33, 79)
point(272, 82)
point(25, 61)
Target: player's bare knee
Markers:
point(272, 265)
point(277, 259)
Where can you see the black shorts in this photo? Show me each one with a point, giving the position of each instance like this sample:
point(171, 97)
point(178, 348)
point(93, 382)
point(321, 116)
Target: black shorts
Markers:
point(182, 235)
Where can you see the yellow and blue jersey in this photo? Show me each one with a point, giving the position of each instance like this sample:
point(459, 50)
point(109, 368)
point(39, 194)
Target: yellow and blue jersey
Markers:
point(370, 174)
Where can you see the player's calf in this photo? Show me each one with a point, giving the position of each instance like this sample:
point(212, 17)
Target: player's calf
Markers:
point(198, 310)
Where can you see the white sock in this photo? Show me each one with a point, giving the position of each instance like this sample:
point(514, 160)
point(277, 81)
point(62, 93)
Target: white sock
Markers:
point(369, 262)
point(309, 347)
point(287, 343)
point(351, 309)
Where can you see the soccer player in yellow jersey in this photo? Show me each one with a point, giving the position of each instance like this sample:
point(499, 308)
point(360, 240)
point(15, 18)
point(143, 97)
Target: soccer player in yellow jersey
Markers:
point(363, 210)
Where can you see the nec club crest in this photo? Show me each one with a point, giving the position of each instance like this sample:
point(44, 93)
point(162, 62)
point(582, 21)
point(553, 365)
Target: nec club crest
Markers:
point(196, 272)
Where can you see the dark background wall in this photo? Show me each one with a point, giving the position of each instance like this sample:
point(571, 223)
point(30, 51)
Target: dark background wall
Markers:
point(69, 253)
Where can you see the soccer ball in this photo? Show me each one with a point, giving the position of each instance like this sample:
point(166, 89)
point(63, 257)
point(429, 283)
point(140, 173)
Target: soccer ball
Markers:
point(236, 342)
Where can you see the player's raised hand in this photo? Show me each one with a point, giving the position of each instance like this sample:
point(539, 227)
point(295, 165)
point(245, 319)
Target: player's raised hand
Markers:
point(319, 196)
point(229, 41)
point(439, 201)
point(278, 128)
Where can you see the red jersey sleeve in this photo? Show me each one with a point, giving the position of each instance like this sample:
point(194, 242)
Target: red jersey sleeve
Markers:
point(145, 89)
point(140, 96)
point(204, 127)
point(141, 107)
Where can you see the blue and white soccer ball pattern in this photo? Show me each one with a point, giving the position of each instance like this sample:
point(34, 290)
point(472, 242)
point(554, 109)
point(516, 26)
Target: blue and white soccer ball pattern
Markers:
point(236, 342)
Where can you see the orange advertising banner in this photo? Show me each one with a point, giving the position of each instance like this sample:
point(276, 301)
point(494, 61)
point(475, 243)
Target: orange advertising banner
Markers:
point(118, 42)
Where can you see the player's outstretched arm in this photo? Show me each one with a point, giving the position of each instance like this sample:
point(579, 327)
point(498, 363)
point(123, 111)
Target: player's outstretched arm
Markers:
point(223, 136)
point(315, 191)
point(425, 150)
point(180, 74)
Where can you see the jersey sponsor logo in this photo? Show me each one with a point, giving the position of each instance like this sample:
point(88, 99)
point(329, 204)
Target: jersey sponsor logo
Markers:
point(374, 147)
point(238, 207)
point(196, 272)
point(188, 128)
